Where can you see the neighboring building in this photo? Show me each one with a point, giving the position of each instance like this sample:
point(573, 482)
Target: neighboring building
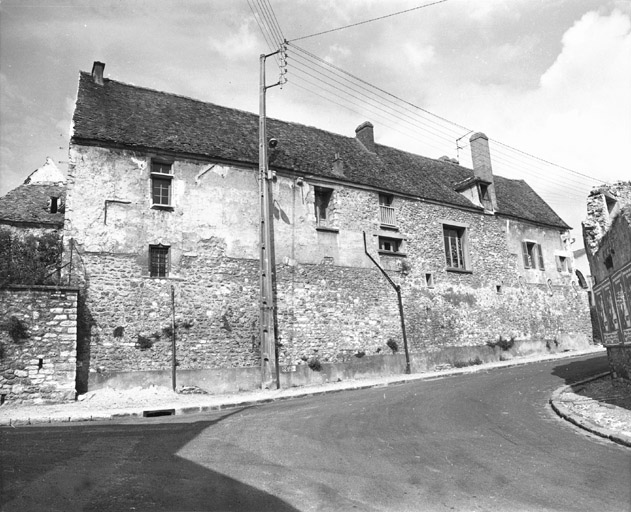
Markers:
point(37, 206)
point(607, 235)
point(37, 322)
point(163, 198)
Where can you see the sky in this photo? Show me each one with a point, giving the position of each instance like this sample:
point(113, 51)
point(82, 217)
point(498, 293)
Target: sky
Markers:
point(548, 81)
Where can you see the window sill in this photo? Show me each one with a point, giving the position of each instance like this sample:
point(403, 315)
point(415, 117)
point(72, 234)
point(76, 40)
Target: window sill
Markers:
point(459, 270)
point(388, 227)
point(390, 253)
point(165, 207)
point(327, 230)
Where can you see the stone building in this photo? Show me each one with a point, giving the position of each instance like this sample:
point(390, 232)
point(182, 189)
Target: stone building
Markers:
point(163, 205)
point(37, 206)
point(37, 323)
point(607, 236)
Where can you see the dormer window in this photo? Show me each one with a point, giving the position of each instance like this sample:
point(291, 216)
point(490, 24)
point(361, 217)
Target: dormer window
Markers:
point(485, 196)
point(161, 184)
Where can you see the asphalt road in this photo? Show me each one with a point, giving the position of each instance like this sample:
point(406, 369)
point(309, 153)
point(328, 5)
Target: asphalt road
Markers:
point(485, 441)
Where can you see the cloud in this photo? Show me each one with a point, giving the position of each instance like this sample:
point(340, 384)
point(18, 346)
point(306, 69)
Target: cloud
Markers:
point(240, 44)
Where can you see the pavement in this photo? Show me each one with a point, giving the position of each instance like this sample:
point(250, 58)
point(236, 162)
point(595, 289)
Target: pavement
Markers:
point(595, 404)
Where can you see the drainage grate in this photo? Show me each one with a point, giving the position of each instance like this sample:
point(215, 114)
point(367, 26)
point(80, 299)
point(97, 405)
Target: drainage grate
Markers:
point(158, 412)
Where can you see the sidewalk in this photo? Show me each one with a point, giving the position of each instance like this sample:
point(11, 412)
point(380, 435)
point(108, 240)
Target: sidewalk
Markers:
point(590, 405)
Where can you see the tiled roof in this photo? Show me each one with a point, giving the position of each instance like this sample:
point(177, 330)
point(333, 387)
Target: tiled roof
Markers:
point(30, 203)
point(121, 114)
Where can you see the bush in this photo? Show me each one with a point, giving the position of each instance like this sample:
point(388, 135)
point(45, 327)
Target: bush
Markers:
point(29, 259)
point(393, 345)
point(315, 364)
point(144, 342)
point(17, 329)
point(470, 362)
point(503, 343)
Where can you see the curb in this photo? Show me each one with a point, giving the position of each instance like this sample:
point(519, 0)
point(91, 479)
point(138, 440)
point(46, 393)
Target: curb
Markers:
point(194, 409)
point(567, 414)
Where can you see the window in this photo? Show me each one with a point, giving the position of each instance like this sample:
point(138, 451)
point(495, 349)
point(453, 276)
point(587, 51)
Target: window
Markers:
point(429, 280)
point(386, 210)
point(161, 183)
point(391, 245)
point(322, 201)
point(158, 260)
point(485, 196)
point(533, 255)
point(563, 264)
point(54, 203)
point(455, 247)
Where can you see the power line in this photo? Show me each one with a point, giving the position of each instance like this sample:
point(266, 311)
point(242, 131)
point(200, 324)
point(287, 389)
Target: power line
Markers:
point(322, 63)
point(367, 21)
point(387, 107)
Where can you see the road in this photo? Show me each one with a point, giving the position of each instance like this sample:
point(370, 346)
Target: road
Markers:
point(486, 441)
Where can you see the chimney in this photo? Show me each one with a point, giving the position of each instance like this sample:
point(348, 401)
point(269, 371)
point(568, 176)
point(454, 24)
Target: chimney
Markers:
point(97, 72)
point(365, 135)
point(482, 169)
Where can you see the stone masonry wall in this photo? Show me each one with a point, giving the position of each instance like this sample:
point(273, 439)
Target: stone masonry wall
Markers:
point(332, 300)
point(38, 343)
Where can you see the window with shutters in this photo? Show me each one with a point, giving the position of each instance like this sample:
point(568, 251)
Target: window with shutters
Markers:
point(563, 264)
point(533, 255)
point(389, 245)
point(456, 251)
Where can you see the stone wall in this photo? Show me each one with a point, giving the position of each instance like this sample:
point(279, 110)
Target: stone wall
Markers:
point(38, 341)
point(333, 303)
point(620, 362)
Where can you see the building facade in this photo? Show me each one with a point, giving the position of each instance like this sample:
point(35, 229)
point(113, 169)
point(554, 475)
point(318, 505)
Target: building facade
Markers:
point(163, 208)
point(607, 236)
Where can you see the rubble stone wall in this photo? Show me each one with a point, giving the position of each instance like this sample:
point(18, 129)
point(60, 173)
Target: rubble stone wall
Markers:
point(38, 343)
point(333, 303)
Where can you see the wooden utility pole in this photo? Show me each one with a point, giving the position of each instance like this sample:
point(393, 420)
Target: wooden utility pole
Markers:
point(268, 320)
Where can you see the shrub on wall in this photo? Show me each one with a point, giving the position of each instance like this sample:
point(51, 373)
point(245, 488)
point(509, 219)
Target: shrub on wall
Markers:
point(28, 260)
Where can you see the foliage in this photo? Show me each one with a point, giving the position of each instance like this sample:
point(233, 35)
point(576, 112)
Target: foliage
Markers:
point(315, 364)
point(119, 331)
point(470, 362)
point(503, 343)
point(29, 259)
point(144, 342)
point(16, 329)
point(393, 345)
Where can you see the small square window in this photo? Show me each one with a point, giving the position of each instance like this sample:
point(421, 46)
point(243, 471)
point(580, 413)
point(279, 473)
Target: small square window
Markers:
point(455, 239)
point(392, 245)
point(322, 205)
point(158, 260)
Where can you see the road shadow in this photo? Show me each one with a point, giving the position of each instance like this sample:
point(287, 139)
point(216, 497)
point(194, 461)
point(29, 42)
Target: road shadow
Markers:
point(581, 369)
point(603, 390)
point(118, 467)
